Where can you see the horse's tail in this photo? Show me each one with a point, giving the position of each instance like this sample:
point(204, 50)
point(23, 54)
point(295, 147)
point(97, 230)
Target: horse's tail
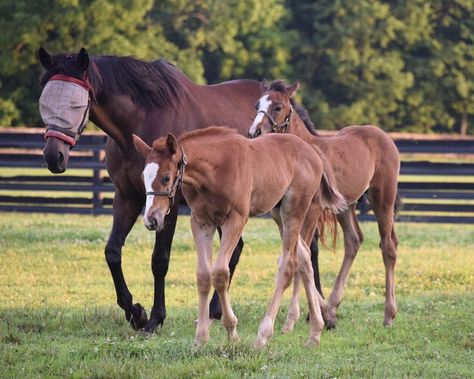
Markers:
point(398, 205)
point(332, 203)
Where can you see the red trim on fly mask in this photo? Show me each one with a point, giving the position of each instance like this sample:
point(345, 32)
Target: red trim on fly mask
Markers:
point(63, 137)
point(64, 78)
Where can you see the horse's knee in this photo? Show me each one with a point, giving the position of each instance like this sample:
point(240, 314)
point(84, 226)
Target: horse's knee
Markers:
point(389, 250)
point(203, 277)
point(159, 265)
point(113, 256)
point(220, 278)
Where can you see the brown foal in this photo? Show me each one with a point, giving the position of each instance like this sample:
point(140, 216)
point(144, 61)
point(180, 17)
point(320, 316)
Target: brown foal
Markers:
point(363, 158)
point(225, 179)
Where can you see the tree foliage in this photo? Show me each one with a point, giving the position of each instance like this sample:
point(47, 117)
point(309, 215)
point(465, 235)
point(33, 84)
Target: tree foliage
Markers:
point(403, 65)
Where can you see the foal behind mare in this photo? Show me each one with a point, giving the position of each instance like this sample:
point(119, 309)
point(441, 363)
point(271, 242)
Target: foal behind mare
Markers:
point(363, 158)
point(225, 179)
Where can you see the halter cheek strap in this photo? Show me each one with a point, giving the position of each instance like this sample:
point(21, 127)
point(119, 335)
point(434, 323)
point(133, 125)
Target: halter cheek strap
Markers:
point(276, 127)
point(178, 181)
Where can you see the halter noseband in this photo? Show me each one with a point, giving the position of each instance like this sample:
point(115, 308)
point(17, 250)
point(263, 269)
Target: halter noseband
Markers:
point(276, 127)
point(61, 133)
point(178, 181)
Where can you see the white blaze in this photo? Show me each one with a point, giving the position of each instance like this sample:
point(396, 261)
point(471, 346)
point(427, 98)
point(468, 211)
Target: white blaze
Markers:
point(149, 175)
point(263, 105)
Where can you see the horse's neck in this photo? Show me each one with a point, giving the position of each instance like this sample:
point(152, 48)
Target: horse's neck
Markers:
point(298, 128)
point(198, 165)
point(101, 117)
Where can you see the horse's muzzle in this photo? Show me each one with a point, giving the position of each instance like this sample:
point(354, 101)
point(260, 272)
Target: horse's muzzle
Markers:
point(56, 155)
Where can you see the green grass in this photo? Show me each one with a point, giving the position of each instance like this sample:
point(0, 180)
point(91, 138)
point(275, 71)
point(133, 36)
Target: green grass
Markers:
point(58, 316)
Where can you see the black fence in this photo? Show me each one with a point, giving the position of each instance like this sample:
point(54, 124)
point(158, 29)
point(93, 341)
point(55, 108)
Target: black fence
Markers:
point(436, 183)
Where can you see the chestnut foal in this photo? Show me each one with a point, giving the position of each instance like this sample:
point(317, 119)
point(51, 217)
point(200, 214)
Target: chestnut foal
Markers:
point(227, 178)
point(363, 158)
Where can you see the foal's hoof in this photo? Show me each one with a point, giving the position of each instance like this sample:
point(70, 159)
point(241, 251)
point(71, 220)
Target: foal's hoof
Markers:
point(312, 342)
point(288, 327)
point(137, 317)
point(330, 323)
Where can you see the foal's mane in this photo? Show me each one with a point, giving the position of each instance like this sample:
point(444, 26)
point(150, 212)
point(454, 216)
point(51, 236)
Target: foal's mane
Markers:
point(279, 86)
point(209, 132)
point(149, 84)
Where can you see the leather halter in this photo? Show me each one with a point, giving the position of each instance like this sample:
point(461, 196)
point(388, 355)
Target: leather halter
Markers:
point(178, 181)
point(276, 127)
point(61, 133)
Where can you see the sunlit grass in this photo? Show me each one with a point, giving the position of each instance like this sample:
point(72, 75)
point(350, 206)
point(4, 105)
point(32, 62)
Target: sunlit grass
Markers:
point(59, 318)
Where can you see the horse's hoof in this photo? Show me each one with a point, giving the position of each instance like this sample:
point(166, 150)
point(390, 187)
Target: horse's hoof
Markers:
point(312, 342)
point(151, 326)
point(330, 324)
point(138, 317)
point(260, 343)
point(288, 327)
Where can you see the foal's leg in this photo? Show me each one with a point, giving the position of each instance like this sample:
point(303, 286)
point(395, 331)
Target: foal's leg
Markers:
point(125, 213)
point(316, 323)
point(286, 270)
point(352, 242)
point(203, 237)
point(220, 275)
point(382, 202)
point(308, 231)
point(215, 311)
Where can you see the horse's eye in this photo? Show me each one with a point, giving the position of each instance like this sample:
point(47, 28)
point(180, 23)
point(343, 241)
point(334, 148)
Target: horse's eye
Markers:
point(256, 107)
point(165, 179)
point(278, 108)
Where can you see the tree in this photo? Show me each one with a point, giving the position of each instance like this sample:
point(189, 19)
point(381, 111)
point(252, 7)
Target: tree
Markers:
point(345, 60)
point(103, 27)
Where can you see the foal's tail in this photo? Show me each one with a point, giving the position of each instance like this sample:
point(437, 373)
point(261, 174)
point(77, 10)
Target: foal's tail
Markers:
point(332, 203)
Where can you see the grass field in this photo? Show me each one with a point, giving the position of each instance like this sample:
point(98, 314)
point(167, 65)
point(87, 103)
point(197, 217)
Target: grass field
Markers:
point(58, 316)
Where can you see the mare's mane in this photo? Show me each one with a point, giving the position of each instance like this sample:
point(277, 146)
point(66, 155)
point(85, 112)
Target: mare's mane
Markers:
point(149, 84)
point(279, 86)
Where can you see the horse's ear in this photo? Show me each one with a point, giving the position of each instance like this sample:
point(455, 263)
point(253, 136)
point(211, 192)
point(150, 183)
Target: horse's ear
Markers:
point(83, 59)
point(141, 145)
point(291, 89)
point(171, 144)
point(45, 58)
point(264, 85)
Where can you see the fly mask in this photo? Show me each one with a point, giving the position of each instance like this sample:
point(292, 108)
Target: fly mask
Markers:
point(64, 107)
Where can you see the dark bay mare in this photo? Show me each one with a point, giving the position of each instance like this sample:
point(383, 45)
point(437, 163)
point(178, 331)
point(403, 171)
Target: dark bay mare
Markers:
point(126, 96)
point(363, 159)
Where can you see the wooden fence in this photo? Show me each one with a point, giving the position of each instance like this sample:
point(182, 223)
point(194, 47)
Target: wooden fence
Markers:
point(436, 182)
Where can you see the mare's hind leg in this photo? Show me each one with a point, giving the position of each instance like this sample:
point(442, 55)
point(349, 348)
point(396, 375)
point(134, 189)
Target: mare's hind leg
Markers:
point(220, 274)
point(203, 237)
point(215, 311)
point(352, 241)
point(383, 206)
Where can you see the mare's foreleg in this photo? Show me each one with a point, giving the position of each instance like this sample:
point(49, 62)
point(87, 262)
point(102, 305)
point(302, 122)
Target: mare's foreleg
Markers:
point(160, 260)
point(203, 237)
point(125, 213)
point(215, 311)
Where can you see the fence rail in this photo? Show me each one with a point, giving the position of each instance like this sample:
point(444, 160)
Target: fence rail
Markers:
point(438, 188)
